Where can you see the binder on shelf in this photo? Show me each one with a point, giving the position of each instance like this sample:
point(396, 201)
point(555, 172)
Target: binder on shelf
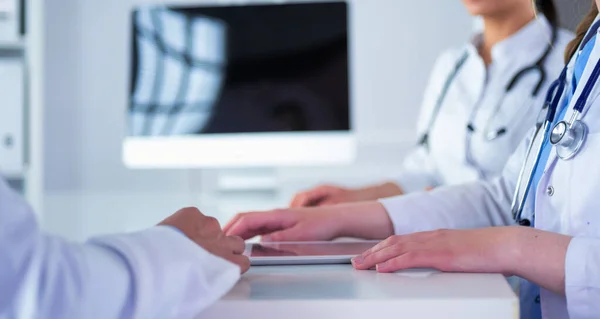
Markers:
point(10, 20)
point(12, 120)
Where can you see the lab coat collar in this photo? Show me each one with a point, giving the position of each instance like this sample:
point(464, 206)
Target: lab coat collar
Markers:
point(594, 57)
point(533, 37)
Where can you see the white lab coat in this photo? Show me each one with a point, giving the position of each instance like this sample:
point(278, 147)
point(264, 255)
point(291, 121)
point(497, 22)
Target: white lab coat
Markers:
point(157, 273)
point(477, 87)
point(572, 208)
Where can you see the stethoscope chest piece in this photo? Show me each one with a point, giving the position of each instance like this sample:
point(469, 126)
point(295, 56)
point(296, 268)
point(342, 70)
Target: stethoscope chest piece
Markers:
point(568, 139)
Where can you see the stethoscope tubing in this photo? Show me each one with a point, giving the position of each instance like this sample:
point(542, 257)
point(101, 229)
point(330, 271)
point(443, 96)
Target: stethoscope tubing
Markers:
point(538, 65)
point(574, 129)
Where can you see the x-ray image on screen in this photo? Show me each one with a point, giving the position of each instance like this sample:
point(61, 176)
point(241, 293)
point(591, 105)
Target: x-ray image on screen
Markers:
point(178, 73)
point(239, 69)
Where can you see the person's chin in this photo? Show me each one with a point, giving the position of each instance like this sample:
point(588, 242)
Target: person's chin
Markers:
point(478, 7)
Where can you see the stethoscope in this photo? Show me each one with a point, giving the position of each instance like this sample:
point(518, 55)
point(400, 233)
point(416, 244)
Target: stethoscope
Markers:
point(489, 134)
point(567, 137)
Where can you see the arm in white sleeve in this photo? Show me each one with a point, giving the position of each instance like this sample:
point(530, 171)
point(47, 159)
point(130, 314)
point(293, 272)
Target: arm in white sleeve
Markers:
point(582, 277)
point(157, 273)
point(473, 205)
point(418, 168)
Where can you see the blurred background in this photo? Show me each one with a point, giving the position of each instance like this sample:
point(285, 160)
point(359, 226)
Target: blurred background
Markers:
point(67, 93)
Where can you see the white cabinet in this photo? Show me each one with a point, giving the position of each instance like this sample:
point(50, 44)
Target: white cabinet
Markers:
point(10, 20)
point(12, 105)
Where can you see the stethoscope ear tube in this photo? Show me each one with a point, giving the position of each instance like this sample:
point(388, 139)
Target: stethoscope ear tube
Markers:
point(537, 66)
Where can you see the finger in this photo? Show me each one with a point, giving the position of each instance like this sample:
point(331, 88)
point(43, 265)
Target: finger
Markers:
point(388, 253)
point(369, 261)
point(242, 261)
point(236, 244)
point(232, 222)
point(381, 245)
point(392, 240)
point(327, 201)
point(312, 197)
point(411, 259)
point(260, 223)
point(296, 233)
point(308, 200)
point(300, 200)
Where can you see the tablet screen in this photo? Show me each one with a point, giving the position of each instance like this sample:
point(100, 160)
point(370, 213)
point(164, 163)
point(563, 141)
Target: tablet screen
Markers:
point(291, 249)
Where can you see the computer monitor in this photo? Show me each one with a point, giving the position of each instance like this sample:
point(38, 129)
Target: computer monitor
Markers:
point(231, 85)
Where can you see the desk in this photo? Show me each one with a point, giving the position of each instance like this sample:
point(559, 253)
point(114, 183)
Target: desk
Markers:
point(339, 291)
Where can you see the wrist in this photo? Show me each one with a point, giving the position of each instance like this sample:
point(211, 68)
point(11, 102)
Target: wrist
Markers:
point(367, 220)
point(541, 258)
point(384, 190)
point(510, 253)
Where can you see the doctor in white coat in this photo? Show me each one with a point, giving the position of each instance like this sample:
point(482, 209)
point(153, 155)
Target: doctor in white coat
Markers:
point(473, 227)
point(174, 270)
point(485, 94)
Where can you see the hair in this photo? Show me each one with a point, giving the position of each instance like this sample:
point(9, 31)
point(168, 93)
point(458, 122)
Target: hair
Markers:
point(580, 32)
point(548, 8)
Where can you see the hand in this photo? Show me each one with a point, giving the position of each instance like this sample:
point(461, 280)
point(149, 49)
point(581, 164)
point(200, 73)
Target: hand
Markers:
point(325, 195)
point(300, 224)
point(318, 223)
point(487, 250)
point(206, 232)
point(331, 195)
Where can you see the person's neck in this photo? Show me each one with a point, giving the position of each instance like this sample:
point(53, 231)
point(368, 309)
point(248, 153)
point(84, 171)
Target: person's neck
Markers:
point(502, 26)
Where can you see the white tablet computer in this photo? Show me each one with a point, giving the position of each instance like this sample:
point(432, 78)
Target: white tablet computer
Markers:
point(305, 253)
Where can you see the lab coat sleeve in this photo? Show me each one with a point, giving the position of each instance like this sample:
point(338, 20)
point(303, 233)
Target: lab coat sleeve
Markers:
point(472, 205)
point(418, 168)
point(582, 278)
point(157, 273)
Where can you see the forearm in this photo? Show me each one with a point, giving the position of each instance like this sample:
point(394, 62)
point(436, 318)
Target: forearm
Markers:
point(387, 189)
point(157, 273)
point(368, 220)
point(169, 271)
point(540, 257)
point(146, 274)
point(475, 205)
point(50, 277)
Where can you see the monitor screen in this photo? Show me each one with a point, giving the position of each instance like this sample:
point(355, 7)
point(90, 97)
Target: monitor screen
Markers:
point(239, 69)
point(239, 85)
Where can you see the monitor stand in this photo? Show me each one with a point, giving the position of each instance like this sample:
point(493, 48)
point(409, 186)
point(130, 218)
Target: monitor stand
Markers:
point(252, 180)
point(226, 192)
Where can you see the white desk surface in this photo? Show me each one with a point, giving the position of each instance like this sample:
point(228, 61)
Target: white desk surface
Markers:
point(339, 291)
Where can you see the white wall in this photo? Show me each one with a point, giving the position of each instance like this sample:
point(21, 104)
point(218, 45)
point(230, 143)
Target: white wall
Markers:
point(87, 188)
point(571, 11)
